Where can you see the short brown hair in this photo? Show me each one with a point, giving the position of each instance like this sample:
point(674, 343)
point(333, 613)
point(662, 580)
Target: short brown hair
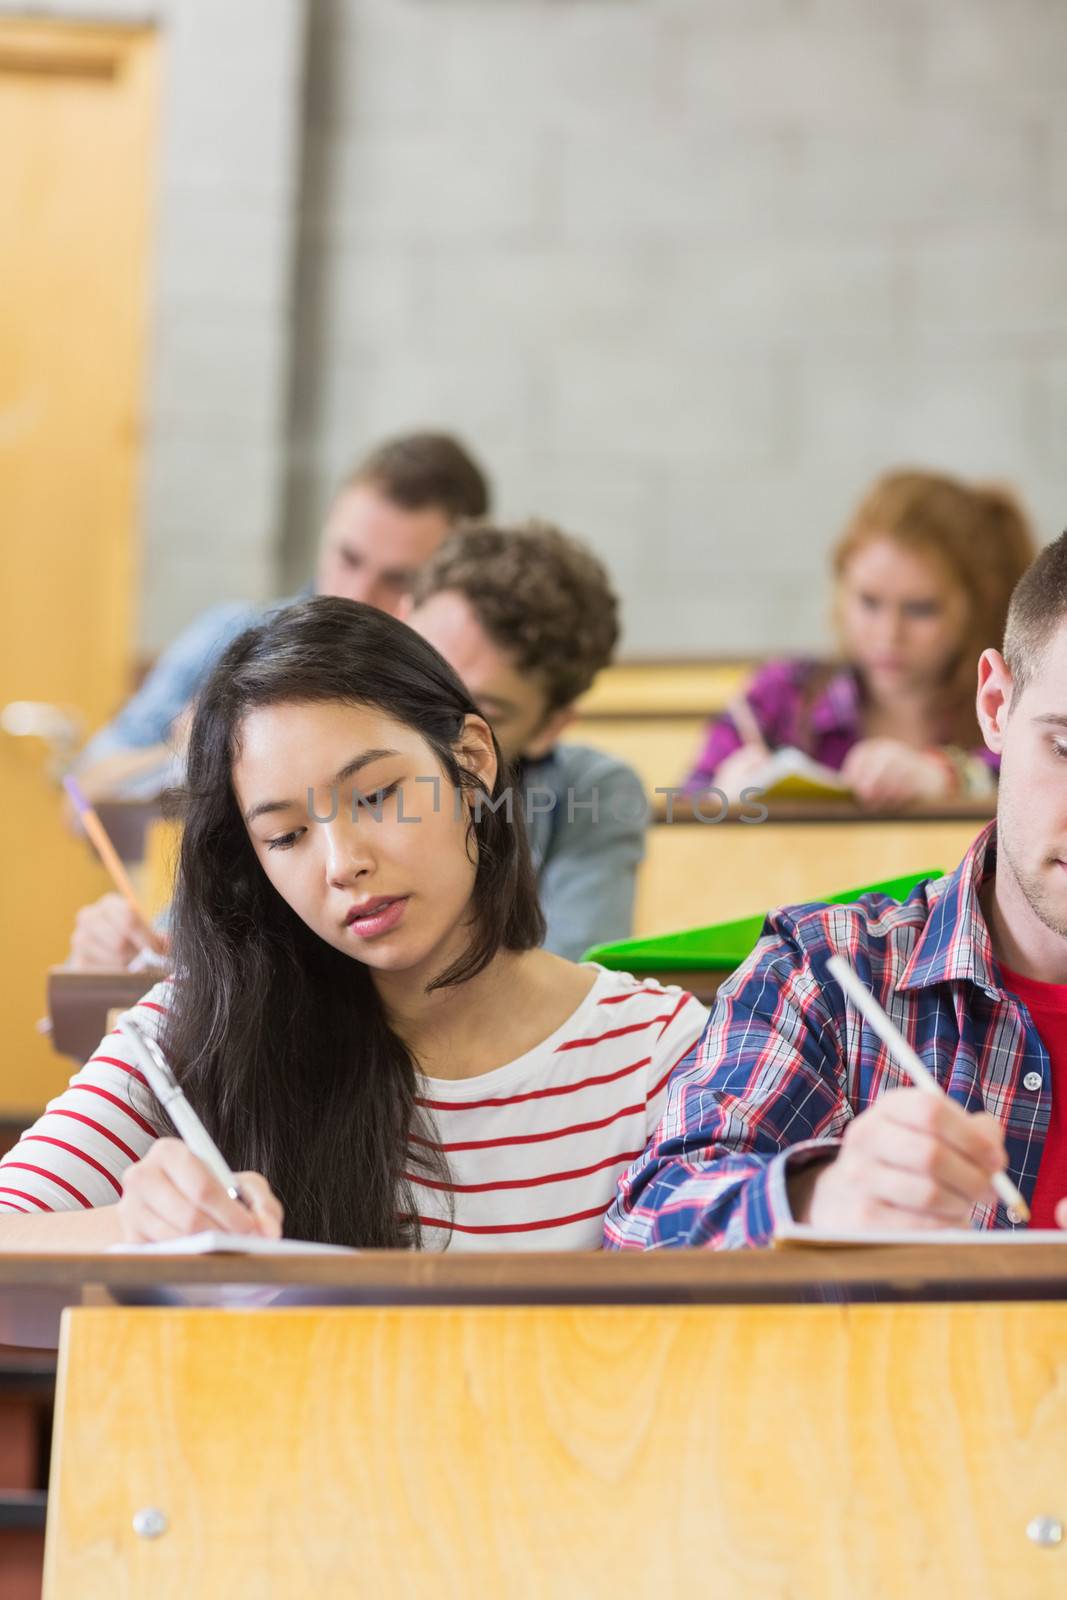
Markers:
point(981, 536)
point(539, 594)
point(1038, 606)
point(417, 470)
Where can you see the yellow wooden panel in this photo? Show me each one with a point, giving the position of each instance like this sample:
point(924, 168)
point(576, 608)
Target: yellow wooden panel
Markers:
point(693, 875)
point(77, 110)
point(162, 843)
point(673, 688)
point(776, 1453)
point(662, 750)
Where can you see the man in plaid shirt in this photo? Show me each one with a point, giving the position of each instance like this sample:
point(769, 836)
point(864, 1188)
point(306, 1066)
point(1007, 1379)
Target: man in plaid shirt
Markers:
point(789, 1107)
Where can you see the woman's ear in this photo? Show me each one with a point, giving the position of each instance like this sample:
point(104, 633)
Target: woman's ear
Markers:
point(474, 750)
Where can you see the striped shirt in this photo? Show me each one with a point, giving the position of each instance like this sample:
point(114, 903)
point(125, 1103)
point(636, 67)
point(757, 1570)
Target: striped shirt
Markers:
point(534, 1148)
point(785, 1062)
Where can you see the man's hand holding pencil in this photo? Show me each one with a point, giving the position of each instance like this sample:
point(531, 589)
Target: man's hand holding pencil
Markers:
point(912, 1160)
point(915, 1159)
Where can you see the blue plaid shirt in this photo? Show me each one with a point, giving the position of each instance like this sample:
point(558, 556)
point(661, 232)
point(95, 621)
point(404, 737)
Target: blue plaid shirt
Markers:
point(784, 1062)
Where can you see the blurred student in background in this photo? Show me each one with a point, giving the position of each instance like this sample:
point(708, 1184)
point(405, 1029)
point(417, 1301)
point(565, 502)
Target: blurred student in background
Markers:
point(526, 618)
point(924, 572)
point(387, 518)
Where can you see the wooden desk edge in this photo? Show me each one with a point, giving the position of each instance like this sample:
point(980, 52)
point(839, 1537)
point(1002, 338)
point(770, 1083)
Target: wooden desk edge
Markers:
point(683, 812)
point(907, 1272)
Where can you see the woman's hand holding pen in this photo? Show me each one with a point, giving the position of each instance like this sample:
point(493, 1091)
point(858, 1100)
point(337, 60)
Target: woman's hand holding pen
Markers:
point(171, 1193)
point(912, 1160)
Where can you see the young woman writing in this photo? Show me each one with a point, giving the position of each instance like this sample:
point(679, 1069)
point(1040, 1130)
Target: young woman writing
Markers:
point(361, 1017)
point(923, 576)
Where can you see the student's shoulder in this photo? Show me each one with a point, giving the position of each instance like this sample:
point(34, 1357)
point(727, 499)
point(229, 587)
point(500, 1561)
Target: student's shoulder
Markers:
point(624, 1003)
point(149, 1013)
point(581, 767)
point(874, 933)
point(211, 631)
point(154, 1004)
point(110, 1085)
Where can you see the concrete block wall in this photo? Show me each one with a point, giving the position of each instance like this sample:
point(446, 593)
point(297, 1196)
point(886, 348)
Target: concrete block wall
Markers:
point(687, 272)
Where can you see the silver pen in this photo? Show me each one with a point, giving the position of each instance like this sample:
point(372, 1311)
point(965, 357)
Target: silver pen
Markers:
point(153, 1063)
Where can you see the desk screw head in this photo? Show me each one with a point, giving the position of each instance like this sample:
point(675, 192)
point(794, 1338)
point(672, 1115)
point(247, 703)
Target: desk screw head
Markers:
point(1045, 1531)
point(149, 1522)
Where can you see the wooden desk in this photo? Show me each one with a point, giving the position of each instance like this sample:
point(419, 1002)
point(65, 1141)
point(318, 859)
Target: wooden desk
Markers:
point(570, 1426)
point(79, 1003)
point(127, 823)
point(665, 688)
point(696, 873)
point(34, 1290)
point(661, 748)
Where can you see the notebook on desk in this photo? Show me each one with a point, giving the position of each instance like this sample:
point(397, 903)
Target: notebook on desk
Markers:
point(801, 1235)
point(789, 774)
point(240, 1244)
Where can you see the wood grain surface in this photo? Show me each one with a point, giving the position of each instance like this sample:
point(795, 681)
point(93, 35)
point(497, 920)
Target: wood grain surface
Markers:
point(775, 1453)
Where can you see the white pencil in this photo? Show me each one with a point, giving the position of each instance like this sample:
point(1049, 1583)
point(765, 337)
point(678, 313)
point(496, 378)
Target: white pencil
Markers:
point(917, 1070)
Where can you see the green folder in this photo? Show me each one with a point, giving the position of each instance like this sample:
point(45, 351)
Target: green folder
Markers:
point(724, 945)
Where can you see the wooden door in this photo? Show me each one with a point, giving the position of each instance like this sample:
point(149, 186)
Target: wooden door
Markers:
point(77, 122)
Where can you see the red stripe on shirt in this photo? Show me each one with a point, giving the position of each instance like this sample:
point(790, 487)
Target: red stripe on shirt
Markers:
point(24, 1166)
point(113, 1061)
point(684, 1001)
point(666, 1076)
point(532, 1094)
point(512, 1227)
point(97, 1127)
point(662, 1084)
point(614, 999)
point(150, 1005)
point(621, 1160)
point(105, 1094)
point(32, 1198)
point(612, 1033)
point(72, 1149)
point(530, 1138)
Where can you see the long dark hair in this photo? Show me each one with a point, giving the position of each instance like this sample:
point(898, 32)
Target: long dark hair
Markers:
point(279, 1040)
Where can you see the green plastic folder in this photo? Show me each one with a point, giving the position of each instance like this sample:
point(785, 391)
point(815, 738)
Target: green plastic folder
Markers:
point(724, 945)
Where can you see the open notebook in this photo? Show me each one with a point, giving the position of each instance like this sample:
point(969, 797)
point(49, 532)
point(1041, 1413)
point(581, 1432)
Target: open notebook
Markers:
point(234, 1244)
point(795, 1235)
point(789, 774)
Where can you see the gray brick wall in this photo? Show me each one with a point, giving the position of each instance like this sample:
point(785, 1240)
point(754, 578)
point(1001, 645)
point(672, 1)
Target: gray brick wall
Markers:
point(687, 272)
